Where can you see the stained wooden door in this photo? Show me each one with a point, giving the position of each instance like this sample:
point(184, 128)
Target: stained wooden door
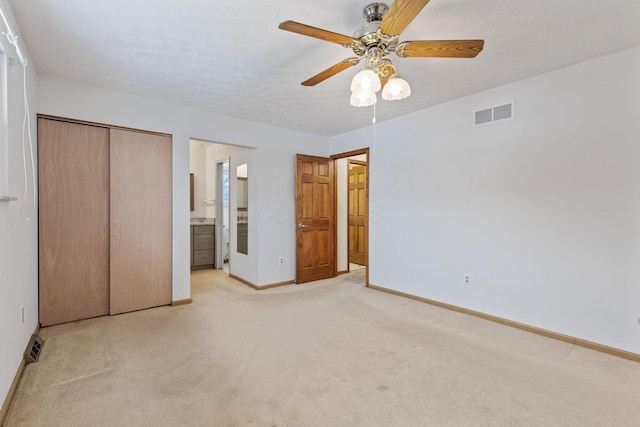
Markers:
point(315, 218)
point(357, 212)
point(73, 192)
point(140, 235)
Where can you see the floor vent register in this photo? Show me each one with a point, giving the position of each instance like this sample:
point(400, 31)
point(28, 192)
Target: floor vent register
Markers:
point(32, 353)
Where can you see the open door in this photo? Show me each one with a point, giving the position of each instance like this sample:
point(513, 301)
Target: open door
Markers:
point(315, 218)
point(357, 212)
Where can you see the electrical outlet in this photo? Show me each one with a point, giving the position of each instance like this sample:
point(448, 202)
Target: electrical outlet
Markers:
point(467, 279)
point(22, 314)
point(281, 260)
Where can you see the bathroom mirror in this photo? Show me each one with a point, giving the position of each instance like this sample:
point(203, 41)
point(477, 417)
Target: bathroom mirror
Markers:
point(243, 209)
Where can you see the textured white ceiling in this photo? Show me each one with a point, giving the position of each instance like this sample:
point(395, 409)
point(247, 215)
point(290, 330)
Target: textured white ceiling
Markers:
point(230, 58)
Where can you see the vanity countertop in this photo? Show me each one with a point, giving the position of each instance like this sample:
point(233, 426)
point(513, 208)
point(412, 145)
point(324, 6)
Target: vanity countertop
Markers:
point(203, 221)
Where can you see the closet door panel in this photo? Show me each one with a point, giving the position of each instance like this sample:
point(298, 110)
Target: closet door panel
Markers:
point(140, 222)
point(73, 191)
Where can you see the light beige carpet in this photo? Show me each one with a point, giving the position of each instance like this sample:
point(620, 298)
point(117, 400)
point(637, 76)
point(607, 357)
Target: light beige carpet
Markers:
point(329, 353)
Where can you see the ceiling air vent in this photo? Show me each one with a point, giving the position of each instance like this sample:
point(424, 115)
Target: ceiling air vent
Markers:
point(495, 114)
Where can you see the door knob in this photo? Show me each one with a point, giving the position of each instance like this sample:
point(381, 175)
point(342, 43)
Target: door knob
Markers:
point(301, 225)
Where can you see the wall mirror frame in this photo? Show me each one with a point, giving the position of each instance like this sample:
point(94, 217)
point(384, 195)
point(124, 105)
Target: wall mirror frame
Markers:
point(242, 181)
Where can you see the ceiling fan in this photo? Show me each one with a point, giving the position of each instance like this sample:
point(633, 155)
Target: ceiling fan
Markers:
point(374, 41)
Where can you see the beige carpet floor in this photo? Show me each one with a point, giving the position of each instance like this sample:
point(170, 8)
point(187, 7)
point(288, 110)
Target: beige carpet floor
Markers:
point(329, 353)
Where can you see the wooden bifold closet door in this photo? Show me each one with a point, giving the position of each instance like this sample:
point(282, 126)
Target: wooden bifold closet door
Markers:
point(105, 220)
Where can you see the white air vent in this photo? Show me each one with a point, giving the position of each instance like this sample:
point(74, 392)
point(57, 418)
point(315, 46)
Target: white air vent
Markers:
point(495, 114)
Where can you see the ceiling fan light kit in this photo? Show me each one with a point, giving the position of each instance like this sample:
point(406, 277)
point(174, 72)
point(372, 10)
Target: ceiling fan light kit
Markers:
point(367, 82)
point(374, 41)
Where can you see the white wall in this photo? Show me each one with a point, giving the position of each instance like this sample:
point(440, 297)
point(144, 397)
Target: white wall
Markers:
point(543, 212)
point(18, 236)
point(274, 220)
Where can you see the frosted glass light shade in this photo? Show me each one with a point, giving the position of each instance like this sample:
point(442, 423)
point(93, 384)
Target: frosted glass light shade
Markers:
point(396, 88)
point(365, 81)
point(363, 99)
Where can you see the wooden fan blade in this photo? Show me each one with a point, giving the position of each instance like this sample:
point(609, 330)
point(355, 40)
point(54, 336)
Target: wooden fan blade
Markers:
point(331, 71)
point(400, 15)
point(440, 48)
point(307, 30)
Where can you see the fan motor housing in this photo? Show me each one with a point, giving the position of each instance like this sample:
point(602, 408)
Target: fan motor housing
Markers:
point(365, 32)
point(374, 12)
point(369, 35)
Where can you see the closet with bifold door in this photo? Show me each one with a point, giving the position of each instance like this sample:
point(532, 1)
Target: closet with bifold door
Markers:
point(104, 220)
